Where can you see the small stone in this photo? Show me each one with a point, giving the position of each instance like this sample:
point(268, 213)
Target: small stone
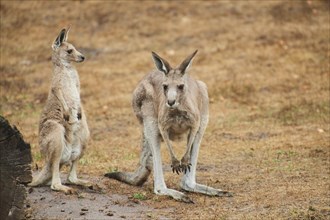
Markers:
point(110, 214)
point(136, 201)
point(30, 190)
point(311, 208)
point(62, 210)
point(84, 209)
point(82, 213)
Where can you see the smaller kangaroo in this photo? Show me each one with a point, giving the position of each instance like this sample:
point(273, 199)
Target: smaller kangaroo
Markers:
point(63, 129)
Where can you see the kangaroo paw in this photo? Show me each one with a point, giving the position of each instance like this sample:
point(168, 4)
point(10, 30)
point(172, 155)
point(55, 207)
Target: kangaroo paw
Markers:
point(185, 165)
point(176, 166)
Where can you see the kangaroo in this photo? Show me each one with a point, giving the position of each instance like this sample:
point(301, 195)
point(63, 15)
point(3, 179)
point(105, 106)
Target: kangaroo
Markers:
point(170, 104)
point(63, 129)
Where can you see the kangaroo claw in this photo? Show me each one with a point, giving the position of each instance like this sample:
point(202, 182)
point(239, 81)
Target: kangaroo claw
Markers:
point(176, 166)
point(185, 167)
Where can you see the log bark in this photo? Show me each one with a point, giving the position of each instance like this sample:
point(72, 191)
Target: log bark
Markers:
point(15, 171)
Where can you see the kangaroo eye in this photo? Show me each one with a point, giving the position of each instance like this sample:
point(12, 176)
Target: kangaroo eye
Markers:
point(181, 87)
point(165, 87)
point(69, 51)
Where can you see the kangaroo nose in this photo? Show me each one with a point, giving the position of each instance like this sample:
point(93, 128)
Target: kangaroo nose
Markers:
point(82, 58)
point(170, 102)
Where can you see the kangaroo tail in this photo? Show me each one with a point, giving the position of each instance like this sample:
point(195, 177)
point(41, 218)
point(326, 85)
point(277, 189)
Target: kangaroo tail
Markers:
point(138, 178)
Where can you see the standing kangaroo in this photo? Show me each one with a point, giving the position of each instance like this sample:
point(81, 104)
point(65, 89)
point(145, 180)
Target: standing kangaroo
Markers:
point(169, 104)
point(63, 130)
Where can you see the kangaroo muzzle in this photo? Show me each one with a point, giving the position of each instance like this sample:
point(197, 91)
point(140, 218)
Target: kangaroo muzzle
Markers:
point(171, 99)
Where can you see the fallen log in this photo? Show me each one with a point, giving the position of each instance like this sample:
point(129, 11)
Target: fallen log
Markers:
point(15, 171)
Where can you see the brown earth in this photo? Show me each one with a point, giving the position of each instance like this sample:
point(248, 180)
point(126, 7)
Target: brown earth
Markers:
point(266, 64)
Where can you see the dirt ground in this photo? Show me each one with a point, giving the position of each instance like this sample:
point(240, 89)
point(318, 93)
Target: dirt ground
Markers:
point(99, 203)
point(266, 64)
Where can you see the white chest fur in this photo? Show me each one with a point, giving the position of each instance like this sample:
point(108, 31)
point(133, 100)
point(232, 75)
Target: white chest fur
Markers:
point(70, 85)
point(71, 94)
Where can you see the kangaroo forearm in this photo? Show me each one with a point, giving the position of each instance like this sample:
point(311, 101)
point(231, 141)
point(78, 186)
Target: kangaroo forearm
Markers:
point(59, 95)
point(168, 143)
point(191, 140)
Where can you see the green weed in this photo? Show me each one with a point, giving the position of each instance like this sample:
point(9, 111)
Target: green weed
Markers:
point(139, 196)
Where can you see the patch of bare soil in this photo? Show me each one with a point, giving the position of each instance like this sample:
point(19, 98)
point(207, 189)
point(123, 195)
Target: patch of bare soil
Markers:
point(89, 203)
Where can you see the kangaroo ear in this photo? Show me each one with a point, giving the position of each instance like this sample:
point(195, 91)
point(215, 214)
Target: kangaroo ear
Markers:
point(67, 34)
point(161, 64)
point(59, 40)
point(184, 66)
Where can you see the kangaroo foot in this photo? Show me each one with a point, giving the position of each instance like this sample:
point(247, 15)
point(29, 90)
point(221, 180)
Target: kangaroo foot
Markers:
point(203, 189)
point(79, 182)
point(179, 196)
point(59, 187)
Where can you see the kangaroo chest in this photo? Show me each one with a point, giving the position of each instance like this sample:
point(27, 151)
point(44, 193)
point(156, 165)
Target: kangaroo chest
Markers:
point(71, 90)
point(178, 122)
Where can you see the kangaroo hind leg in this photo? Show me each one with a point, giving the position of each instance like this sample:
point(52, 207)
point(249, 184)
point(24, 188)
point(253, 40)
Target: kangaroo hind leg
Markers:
point(54, 151)
point(188, 182)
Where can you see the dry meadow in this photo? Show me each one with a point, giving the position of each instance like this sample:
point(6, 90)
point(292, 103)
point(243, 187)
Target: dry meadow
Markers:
point(266, 64)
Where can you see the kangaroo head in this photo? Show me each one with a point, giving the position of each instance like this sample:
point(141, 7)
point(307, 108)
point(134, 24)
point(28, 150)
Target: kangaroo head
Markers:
point(65, 51)
point(175, 84)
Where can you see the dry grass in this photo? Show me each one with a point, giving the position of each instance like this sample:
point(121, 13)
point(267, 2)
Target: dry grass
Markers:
point(266, 64)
